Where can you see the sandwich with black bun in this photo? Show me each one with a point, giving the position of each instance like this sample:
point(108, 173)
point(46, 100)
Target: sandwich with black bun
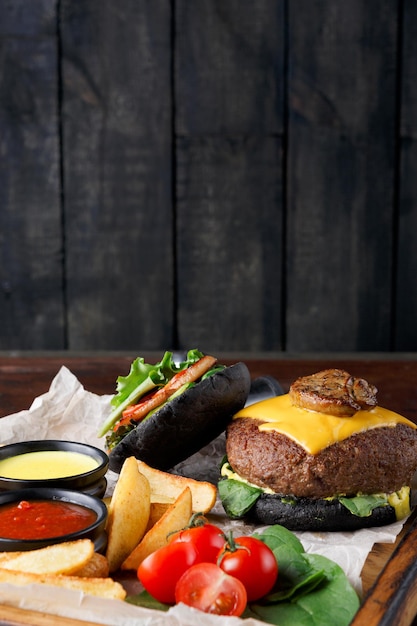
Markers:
point(322, 457)
point(163, 413)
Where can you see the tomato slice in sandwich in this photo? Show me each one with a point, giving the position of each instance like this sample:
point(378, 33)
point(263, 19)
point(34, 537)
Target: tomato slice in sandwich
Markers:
point(158, 397)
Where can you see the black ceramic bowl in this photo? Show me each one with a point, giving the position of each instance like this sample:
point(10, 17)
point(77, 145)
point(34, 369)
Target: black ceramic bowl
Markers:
point(94, 531)
point(92, 482)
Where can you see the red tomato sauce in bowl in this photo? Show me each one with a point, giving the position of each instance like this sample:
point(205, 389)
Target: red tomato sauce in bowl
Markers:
point(43, 519)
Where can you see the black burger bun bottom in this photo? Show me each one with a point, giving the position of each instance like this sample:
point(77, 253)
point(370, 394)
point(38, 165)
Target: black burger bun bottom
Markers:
point(315, 515)
point(187, 423)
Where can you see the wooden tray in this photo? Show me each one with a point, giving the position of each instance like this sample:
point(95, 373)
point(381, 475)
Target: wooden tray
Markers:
point(391, 591)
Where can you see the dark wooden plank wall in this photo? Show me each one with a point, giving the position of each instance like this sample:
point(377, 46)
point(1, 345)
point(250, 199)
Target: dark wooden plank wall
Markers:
point(117, 172)
point(406, 293)
point(341, 176)
point(31, 274)
point(227, 174)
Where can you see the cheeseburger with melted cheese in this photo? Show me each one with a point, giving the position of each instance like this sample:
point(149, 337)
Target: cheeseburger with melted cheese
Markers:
point(324, 456)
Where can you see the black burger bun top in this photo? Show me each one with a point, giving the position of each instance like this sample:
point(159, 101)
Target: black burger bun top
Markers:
point(186, 423)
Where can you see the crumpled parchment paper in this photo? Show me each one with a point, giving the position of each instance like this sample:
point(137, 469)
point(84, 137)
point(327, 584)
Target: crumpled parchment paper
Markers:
point(70, 412)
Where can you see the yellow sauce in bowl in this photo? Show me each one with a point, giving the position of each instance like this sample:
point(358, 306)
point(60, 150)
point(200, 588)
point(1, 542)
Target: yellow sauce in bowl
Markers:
point(46, 464)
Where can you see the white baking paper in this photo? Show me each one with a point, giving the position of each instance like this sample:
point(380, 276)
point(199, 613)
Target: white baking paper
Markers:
point(70, 412)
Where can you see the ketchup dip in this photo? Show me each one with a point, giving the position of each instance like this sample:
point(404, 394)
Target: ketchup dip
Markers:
point(43, 519)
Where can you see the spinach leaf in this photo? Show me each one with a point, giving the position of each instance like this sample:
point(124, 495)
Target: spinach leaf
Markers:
point(146, 601)
point(296, 575)
point(311, 590)
point(334, 601)
point(280, 539)
point(363, 505)
point(237, 497)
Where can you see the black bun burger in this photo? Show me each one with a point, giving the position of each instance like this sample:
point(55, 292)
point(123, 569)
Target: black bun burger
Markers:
point(323, 457)
point(165, 412)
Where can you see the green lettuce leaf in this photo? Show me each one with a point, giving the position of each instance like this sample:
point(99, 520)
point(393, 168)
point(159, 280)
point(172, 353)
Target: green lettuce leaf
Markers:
point(142, 378)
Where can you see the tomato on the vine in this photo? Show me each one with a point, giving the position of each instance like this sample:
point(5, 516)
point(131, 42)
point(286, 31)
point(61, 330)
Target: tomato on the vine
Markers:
point(207, 587)
point(161, 570)
point(207, 538)
point(252, 562)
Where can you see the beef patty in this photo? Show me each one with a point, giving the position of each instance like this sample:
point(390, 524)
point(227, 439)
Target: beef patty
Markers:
point(379, 460)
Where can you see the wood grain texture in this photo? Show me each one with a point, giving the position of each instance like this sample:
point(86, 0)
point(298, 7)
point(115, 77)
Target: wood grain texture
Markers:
point(24, 377)
point(392, 598)
point(13, 616)
point(342, 112)
point(223, 174)
point(31, 299)
point(406, 294)
point(229, 126)
point(117, 171)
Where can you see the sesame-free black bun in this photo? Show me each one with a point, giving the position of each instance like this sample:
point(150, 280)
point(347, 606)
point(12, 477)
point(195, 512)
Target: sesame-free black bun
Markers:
point(315, 514)
point(187, 423)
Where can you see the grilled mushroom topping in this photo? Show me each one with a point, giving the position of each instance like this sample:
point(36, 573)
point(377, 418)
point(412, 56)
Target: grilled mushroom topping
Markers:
point(334, 392)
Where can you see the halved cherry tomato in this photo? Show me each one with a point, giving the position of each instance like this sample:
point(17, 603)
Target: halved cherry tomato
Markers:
point(161, 570)
point(207, 587)
point(207, 538)
point(252, 562)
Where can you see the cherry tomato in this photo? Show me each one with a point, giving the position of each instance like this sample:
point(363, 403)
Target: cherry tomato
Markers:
point(252, 562)
point(161, 570)
point(207, 538)
point(207, 587)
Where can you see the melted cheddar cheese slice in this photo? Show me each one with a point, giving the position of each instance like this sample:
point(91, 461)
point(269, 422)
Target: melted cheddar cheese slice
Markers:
point(313, 430)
